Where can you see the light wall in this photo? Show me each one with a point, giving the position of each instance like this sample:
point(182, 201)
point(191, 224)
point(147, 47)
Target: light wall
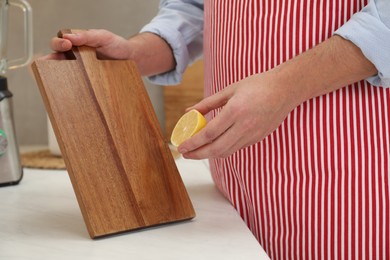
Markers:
point(123, 17)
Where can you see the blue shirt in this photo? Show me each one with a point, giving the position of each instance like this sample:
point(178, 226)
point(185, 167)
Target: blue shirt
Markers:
point(180, 23)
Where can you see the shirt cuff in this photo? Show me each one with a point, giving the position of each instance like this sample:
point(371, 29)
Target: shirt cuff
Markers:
point(372, 36)
point(179, 47)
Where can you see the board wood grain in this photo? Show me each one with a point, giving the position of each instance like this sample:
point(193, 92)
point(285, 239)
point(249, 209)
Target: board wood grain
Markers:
point(120, 166)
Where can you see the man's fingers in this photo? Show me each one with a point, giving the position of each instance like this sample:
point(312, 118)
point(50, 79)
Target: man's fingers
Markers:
point(60, 45)
point(225, 145)
point(212, 102)
point(93, 38)
point(213, 130)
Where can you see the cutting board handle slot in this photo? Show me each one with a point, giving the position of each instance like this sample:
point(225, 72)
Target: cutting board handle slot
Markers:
point(76, 51)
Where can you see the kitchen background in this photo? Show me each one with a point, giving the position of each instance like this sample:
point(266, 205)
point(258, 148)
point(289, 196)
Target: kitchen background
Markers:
point(123, 17)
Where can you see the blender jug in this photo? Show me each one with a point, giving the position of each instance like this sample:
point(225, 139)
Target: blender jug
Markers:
point(10, 167)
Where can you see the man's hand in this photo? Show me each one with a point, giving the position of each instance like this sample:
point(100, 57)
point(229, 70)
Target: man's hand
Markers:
point(151, 53)
point(251, 109)
point(107, 44)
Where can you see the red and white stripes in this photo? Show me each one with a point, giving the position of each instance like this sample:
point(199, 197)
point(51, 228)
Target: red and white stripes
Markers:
point(317, 187)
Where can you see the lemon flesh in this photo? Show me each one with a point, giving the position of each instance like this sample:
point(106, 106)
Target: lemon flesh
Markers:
point(188, 125)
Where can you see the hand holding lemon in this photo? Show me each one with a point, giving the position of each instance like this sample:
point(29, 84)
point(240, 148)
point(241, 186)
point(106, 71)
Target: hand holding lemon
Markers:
point(187, 126)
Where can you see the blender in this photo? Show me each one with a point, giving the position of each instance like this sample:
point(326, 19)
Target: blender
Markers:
point(11, 171)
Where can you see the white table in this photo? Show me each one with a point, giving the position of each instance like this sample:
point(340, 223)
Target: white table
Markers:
point(40, 219)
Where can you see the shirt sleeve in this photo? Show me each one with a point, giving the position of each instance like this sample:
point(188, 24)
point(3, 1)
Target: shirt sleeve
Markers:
point(369, 29)
point(180, 23)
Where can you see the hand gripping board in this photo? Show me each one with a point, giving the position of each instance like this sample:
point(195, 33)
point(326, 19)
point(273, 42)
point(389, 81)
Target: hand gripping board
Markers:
point(121, 169)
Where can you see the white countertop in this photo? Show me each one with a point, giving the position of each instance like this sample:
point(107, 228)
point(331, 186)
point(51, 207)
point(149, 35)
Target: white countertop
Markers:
point(40, 219)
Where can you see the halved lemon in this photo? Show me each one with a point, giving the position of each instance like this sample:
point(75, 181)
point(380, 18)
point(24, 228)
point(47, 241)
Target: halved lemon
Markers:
point(188, 125)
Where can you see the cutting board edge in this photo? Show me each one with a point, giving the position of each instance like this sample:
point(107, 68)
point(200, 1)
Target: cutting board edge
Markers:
point(143, 228)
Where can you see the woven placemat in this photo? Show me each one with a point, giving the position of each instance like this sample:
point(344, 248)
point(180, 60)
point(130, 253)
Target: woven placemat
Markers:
point(43, 159)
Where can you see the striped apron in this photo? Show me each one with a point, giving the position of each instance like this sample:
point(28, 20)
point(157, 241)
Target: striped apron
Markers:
point(318, 186)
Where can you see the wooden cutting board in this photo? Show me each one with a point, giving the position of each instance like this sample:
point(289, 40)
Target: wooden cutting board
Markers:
point(120, 166)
